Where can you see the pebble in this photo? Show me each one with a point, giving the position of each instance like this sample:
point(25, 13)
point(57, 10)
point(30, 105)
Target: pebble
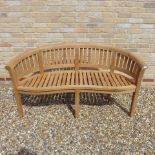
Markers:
point(103, 127)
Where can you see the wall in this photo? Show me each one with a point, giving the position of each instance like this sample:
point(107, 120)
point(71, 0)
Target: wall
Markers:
point(26, 24)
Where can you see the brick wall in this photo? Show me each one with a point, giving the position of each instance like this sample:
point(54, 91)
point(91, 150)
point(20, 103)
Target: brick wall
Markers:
point(27, 24)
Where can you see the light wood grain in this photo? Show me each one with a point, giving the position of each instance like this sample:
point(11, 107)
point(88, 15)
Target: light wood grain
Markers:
point(64, 68)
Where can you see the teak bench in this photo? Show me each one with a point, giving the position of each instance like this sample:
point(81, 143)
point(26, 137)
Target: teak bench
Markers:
point(76, 68)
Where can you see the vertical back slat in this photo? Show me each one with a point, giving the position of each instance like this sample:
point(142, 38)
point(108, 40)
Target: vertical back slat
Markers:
point(93, 55)
point(85, 55)
point(101, 56)
point(52, 56)
point(56, 55)
point(68, 55)
point(81, 55)
point(40, 61)
point(72, 55)
point(118, 59)
point(89, 55)
point(105, 58)
point(64, 55)
point(109, 55)
point(97, 56)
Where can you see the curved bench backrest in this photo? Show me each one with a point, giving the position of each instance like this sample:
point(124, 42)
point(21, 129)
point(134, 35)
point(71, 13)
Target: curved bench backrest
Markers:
point(60, 56)
point(25, 64)
point(89, 55)
point(105, 57)
point(77, 56)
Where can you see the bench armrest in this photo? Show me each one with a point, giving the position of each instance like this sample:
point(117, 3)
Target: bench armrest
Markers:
point(11, 71)
point(140, 76)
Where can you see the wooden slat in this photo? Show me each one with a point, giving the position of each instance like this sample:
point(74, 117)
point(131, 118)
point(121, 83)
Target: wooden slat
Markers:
point(113, 61)
point(68, 78)
point(56, 55)
point(122, 61)
point(120, 80)
point(101, 56)
point(47, 80)
point(42, 80)
point(33, 81)
point(38, 80)
point(72, 55)
point(77, 58)
point(93, 56)
point(132, 66)
point(60, 56)
point(110, 79)
point(35, 60)
point(124, 81)
point(24, 65)
point(51, 80)
point(128, 64)
point(40, 61)
point(97, 56)
point(85, 55)
point(60, 79)
point(76, 78)
point(72, 78)
point(27, 63)
point(98, 79)
point(81, 78)
point(68, 55)
point(89, 56)
point(89, 78)
point(21, 67)
point(105, 58)
point(44, 57)
point(31, 62)
point(106, 78)
point(64, 78)
point(81, 55)
point(64, 56)
point(102, 79)
point(125, 62)
point(85, 78)
point(55, 79)
point(93, 78)
point(115, 79)
point(48, 57)
point(27, 83)
point(109, 55)
point(52, 56)
point(118, 59)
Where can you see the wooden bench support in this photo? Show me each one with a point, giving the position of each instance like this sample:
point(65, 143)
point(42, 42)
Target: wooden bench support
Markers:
point(136, 93)
point(77, 103)
point(19, 103)
point(134, 103)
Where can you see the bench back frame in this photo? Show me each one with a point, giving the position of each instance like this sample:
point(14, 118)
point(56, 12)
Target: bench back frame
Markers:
point(75, 56)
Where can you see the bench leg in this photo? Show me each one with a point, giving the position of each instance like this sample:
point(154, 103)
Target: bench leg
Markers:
point(134, 103)
point(77, 103)
point(19, 103)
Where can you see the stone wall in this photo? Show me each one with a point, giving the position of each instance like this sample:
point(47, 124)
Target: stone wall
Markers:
point(25, 24)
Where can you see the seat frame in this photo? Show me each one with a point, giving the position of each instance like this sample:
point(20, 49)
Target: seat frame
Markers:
point(77, 57)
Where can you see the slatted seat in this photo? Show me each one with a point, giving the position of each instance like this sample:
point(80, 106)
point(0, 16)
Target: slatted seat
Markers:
point(70, 80)
point(76, 68)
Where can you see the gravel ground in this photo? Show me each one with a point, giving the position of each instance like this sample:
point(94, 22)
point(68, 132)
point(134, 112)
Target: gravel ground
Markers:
point(104, 127)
